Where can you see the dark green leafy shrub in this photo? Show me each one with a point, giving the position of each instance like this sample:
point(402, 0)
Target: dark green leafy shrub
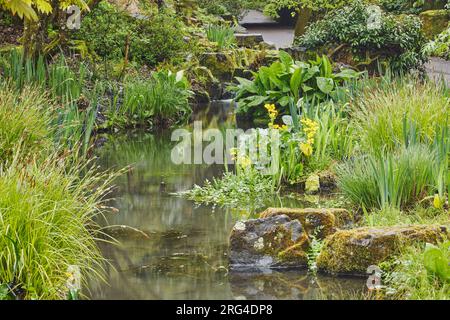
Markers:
point(222, 7)
point(286, 81)
point(397, 39)
point(402, 6)
point(105, 30)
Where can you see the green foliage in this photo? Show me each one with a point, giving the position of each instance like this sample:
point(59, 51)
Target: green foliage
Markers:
point(388, 180)
point(222, 7)
point(24, 122)
point(163, 97)
point(74, 119)
point(421, 214)
point(248, 190)
point(286, 81)
point(437, 261)
point(105, 30)
point(222, 35)
point(439, 47)
point(398, 40)
point(402, 6)
point(273, 7)
point(315, 247)
point(407, 276)
point(395, 113)
point(46, 226)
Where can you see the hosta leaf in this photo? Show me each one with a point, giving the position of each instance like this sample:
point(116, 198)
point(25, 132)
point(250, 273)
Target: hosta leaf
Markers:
point(326, 85)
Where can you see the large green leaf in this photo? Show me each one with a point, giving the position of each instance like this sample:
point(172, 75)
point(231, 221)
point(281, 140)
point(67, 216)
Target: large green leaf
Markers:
point(256, 100)
point(296, 82)
point(326, 85)
point(286, 59)
point(310, 73)
point(436, 261)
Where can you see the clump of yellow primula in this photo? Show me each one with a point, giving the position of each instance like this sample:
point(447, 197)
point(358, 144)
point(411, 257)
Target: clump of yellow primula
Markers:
point(310, 128)
point(242, 160)
point(273, 113)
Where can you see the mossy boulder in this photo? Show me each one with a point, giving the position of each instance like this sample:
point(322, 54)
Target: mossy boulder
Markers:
point(322, 222)
point(249, 40)
point(353, 251)
point(221, 64)
point(434, 22)
point(274, 242)
point(312, 184)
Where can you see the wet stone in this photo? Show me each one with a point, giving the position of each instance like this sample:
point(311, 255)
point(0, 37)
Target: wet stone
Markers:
point(274, 242)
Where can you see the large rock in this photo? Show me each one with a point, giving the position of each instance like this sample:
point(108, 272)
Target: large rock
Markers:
point(318, 222)
point(434, 22)
point(220, 64)
point(353, 251)
point(273, 242)
point(249, 40)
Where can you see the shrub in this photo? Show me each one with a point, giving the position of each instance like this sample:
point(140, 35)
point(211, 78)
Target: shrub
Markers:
point(105, 30)
point(345, 32)
point(222, 7)
point(286, 81)
point(46, 226)
point(439, 47)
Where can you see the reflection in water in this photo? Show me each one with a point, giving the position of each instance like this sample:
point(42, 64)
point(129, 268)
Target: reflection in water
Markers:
point(172, 248)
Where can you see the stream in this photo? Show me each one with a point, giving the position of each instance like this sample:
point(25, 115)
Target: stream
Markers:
point(172, 248)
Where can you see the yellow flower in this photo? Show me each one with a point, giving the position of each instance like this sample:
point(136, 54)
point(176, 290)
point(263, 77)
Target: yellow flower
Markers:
point(306, 148)
point(270, 107)
point(233, 153)
point(437, 202)
point(244, 161)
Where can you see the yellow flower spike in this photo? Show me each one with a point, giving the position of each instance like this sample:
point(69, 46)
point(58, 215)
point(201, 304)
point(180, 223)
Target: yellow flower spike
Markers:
point(244, 161)
point(306, 148)
point(233, 153)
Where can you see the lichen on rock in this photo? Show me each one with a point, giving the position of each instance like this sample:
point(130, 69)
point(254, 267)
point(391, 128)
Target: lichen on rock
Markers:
point(318, 222)
point(273, 242)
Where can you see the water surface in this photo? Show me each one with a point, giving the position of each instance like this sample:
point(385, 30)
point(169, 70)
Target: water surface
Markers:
point(177, 249)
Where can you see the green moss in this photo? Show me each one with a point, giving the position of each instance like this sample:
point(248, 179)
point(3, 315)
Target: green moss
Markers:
point(352, 251)
point(294, 253)
point(221, 65)
point(434, 22)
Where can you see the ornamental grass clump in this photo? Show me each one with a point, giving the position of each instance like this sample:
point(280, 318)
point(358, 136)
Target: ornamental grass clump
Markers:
point(46, 226)
point(24, 122)
point(388, 180)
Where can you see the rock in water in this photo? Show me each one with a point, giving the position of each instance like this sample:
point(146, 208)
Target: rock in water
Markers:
point(319, 222)
point(312, 184)
point(274, 242)
point(353, 251)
